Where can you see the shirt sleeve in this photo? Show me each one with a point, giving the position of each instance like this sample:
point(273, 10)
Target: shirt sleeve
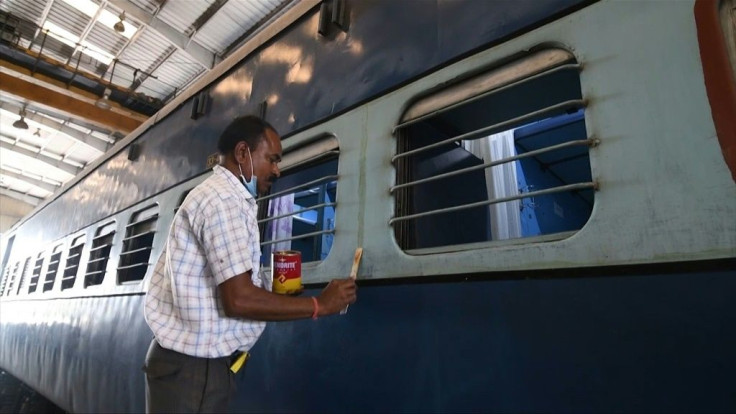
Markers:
point(225, 240)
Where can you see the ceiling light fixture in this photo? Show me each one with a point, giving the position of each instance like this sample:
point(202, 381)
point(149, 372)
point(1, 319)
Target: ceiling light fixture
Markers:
point(38, 132)
point(104, 102)
point(21, 123)
point(119, 26)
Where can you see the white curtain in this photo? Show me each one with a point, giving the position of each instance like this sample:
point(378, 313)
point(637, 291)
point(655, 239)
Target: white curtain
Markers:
point(501, 182)
point(280, 228)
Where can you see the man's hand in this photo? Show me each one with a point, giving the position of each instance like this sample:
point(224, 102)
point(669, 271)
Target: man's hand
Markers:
point(338, 294)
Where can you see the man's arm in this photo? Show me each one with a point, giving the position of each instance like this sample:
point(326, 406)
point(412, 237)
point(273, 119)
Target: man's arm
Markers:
point(241, 298)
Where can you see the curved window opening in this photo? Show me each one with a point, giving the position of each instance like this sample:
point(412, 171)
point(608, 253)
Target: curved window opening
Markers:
point(23, 274)
point(33, 285)
point(99, 254)
point(299, 214)
point(137, 245)
point(72, 263)
point(52, 269)
point(503, 155)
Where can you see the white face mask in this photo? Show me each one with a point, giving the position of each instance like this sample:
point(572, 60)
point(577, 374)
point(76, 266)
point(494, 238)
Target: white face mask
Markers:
point(249, 185)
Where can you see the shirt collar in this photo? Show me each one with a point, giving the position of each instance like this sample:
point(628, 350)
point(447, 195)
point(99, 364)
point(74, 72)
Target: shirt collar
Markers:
point(234, 182)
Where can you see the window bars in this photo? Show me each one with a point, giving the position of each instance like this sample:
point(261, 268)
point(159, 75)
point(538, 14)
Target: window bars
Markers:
point(137, 245)
point(72, 263)
point(436, 132)
point(99, 254)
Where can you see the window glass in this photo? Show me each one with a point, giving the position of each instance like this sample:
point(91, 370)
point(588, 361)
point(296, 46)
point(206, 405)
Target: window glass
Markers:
point(503, 155)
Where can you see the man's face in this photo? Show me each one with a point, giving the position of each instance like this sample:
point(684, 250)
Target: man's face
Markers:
point(266, 157)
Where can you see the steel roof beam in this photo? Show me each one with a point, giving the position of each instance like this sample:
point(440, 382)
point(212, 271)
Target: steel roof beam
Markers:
point(26, 198)
point(201, 54)
point(60, 164)
point(86, 139)
point(32, 181)
point(29, 88)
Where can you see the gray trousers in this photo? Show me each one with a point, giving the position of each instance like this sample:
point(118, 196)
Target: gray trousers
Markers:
point(179, 383)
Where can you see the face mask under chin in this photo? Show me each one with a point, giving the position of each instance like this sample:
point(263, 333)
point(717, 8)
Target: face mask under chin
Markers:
point(249, 185)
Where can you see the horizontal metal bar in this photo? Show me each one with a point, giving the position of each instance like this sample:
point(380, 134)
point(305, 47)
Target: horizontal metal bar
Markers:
point(571, 187)
point(70, 277)
point(136, 250)
point(298, 187)
point(133, 265)
point(110, 234)
point(96, 272)
point(589, 142)
point(139, 235)
point(99, 247)
point(577, 66)
point(53, 263)
point(73, 256)
point(145, 220)
point(574, 103)
point(314, 207)
point(303, 236)
point(99, 259)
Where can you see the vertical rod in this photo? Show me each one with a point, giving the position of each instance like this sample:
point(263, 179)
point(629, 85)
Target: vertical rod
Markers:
point(40, 52)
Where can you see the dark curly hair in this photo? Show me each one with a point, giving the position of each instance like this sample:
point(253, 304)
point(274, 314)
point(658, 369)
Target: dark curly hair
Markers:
point(249, 128)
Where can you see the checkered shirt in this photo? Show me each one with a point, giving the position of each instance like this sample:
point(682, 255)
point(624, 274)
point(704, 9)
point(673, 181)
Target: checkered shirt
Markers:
point(214, 236)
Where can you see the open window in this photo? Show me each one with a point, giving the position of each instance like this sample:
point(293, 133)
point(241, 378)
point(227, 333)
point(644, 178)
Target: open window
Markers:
point(33, 285)
point(500, 155)
point(52, 269)
point(72, 263)
point(137, 245)
point(8, 278)
point(24, 275)
point(299, 214)
point(99, 254)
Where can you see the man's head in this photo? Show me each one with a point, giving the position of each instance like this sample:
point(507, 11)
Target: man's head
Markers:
point(251, 144)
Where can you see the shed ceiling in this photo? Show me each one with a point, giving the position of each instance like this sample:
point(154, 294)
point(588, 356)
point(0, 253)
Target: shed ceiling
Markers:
point(82, 85)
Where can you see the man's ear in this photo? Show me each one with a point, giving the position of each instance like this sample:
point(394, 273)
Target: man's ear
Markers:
point(240, 153)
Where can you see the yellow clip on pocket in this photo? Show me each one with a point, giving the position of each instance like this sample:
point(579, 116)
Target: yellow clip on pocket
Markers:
point(239, 362)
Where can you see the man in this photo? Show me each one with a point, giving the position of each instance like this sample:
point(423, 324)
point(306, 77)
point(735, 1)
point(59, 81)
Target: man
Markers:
point(207, 300)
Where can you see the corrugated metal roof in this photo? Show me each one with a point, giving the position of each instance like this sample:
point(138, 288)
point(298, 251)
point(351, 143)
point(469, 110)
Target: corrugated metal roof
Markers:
point(147, 50)
point(26, 9)
point(217, 34)
point(106, 38)
point(184, 14)
point(220, 22)
point(67, 17)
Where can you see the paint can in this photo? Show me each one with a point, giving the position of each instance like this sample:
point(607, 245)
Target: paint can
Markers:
point(286, 267)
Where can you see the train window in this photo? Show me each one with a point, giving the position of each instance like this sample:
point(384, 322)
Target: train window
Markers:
point(299, 214)
point(36, 273)
point(52, 269)
point(501, 155)
point(99, 254)
point(137, 245)
point(72, 263)
point(6, 276)
point(23, 274)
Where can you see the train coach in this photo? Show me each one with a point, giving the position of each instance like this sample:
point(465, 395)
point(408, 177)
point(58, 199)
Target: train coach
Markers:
point(544, 191)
